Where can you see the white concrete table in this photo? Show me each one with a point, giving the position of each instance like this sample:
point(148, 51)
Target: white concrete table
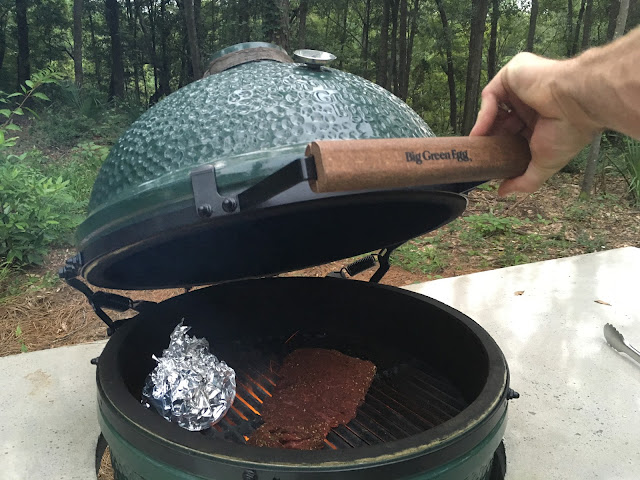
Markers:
point(48, 418)
point(578, 416)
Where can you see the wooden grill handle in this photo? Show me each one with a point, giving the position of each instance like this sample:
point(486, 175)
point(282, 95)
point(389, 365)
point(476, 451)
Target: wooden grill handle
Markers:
point(344, 165)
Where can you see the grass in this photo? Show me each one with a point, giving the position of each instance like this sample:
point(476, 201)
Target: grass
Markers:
point(18, 335)
point(423, 255)
point(498, 235)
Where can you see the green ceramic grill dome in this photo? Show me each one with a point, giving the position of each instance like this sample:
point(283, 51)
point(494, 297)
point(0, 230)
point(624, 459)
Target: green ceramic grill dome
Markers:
point(247, 121)
point(240, 118)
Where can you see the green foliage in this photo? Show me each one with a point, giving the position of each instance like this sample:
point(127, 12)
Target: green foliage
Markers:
point(15, 281)
point(632, 162)
point(21, 100)
point(488, 187)
point(18, 335)
point(421, 255)
point(593, 243)
point(80, 169)
point(487, 224)
point(78, 115)
point(35, 212)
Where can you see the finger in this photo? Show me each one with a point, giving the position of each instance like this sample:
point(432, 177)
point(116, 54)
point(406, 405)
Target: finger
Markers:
point(486, 116)
point(508, 124)
point(529, 182)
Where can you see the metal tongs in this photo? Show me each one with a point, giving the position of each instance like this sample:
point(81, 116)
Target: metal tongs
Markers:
point(617, 342)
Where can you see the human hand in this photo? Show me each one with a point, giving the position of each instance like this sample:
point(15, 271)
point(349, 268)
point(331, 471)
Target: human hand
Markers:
point(531, 96)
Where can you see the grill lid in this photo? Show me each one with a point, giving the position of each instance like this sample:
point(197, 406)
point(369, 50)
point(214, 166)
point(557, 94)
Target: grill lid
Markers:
point(164, 211)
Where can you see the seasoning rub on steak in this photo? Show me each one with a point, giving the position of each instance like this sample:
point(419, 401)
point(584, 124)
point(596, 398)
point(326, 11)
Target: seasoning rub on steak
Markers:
point(318, 389)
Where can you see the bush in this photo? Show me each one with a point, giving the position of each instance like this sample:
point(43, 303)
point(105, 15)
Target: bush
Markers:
point(35, 212)
point(632, 162)
point(80, 115)
point(80, 170)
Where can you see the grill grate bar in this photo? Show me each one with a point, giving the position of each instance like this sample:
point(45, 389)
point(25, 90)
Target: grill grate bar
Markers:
point(367, 436)
point(371, 425)
point(437, 388)
point(385, 417)
point(436, 404)
point(422, 406)
point(264, 371)
point(391, 397)
point(349, 436)
point(336, 440)
point(401, 402)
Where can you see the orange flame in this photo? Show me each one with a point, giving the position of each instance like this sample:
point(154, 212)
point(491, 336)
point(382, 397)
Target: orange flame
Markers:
point(247, 404)
point(259, 386)
point(330, 444)
point(239, 413)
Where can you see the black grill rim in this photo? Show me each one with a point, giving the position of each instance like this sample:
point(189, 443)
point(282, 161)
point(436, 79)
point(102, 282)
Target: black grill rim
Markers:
point(122, 258)
point(194, 453)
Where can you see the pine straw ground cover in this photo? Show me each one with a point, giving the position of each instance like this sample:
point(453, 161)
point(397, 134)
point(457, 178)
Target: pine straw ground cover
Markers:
point(551, 223)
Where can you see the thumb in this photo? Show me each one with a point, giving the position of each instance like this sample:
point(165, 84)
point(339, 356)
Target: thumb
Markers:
point(528, 182)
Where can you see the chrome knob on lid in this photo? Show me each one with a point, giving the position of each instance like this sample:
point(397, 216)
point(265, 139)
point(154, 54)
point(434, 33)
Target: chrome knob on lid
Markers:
point(313, 58)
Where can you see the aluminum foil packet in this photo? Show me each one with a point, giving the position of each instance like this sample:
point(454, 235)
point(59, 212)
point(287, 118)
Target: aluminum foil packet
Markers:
point(190, 386)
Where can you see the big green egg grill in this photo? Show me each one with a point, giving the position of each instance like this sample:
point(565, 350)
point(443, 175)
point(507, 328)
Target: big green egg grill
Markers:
point(192, 194)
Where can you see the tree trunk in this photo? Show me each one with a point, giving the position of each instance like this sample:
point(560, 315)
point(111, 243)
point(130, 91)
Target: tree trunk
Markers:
point(343, 34)
point(412, 33)
point(243, 21)
point(492, 61)
point(366, 26)
point(402, 48)
point(276, 20)
point(165, 28)
point(302, 25)
point(77, 41)
point(590, 167)
point(326, 24)
point(612, 11)
point(533, 18)
point(478, 21)
point(149, 42)
point(96, 55)
point(586, 28)
point(192, 36)
point(621, 21)
point(185, 64)
point(395, 4)
point(24, 68)
point(153, 43)
point(594, 152)
point(569, 32)
point(382, 78)
point(131, 21)
point(451, 78)
point(197, 15)
point(213, 17)
point(3, 37)
point(116, 85)
point(576, 33)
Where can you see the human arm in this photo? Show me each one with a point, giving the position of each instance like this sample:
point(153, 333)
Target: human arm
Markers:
point(558, 105)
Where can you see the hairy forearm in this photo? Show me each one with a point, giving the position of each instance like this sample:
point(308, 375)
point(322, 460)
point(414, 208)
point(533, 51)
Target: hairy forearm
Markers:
point(603, 84)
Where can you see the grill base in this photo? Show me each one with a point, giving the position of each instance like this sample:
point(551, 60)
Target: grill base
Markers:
point(498, 464)
point(436, 410)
